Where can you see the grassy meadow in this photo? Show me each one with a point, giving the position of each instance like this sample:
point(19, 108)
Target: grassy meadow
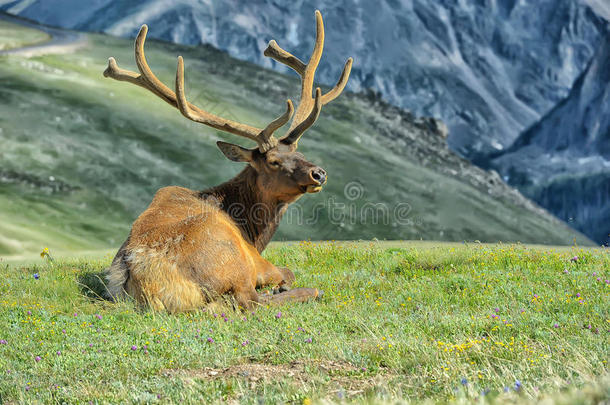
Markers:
point(399, 321)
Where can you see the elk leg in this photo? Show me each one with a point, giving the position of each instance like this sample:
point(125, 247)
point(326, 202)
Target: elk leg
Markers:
point(275, 276)
point(246, 298)
point(287, 280)
point(294, 295)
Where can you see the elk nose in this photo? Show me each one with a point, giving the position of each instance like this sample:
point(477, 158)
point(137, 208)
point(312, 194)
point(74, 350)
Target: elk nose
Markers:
point(318, 175)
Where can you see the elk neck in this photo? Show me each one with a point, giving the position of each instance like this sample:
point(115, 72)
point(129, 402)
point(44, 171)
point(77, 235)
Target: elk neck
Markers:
point(256, 213)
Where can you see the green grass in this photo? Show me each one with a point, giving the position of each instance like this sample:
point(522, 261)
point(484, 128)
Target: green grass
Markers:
point(15, 36)
point(398, 321)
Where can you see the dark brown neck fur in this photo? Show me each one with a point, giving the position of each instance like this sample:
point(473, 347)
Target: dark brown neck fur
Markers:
point(256, 215)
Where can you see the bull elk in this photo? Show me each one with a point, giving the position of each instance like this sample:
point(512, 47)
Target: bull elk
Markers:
point(189, 247)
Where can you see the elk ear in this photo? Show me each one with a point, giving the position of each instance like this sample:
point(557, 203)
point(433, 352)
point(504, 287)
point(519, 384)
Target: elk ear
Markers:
point(235, 152)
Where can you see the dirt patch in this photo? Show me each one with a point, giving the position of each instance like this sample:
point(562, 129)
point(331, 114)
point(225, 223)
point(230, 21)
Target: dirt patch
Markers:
point(339, 376)
point(301, 370)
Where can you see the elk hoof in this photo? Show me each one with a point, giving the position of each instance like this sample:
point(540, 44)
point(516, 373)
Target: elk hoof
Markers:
point(280, 289)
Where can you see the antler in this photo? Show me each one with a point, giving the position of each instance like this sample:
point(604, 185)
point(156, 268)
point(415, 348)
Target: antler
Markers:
point(307, 111)
point(146, 79)
point(309, 108)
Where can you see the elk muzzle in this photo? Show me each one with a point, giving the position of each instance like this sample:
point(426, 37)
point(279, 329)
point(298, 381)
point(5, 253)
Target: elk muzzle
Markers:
point(318, 176)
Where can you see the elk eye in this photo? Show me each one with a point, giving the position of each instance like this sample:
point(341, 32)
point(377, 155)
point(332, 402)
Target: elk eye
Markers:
point(275, 164)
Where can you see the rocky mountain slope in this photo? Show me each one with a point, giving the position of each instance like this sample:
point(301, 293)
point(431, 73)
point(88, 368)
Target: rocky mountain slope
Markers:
point(487, 68)
point(82, 156)
point(563, 161)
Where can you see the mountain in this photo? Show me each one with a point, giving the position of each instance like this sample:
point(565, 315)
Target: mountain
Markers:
point(488, 68)
point(563, 161)
point(83, 155)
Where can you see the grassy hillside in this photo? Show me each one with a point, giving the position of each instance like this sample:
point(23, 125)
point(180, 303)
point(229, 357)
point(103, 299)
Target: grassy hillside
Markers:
point(82, 156)
point(412, 322)
point(15, 36)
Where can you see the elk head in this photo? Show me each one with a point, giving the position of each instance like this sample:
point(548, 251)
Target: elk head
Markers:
point(282, 171)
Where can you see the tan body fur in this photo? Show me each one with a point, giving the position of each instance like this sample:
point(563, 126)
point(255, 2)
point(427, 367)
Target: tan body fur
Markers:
point(185, 251)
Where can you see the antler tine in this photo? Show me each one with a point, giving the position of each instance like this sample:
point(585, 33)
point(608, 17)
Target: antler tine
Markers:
point(160, 89)
point(198, 115)
point(338, 89)
point(147, 79)
point(293, 136)
point(275, 52)
point(308, 109)
point(316, 55)
point(279, 122)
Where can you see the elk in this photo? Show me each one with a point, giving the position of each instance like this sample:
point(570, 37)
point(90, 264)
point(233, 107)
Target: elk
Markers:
point(190, 247)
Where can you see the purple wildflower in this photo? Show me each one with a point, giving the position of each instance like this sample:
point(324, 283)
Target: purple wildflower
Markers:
point(555, 325)
point(210, 340)
point(496, 310)
point(37, 358)
point(278, 315)
point(98, 316)
point(574, 259)
point(2, 342)
point(517, 385)
point(58, 353)
point(36, 276)
point(245, 342)
point(308, 340)
point(27, 387)
point(134, 348)
point(29, 312)
point(464, 381)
